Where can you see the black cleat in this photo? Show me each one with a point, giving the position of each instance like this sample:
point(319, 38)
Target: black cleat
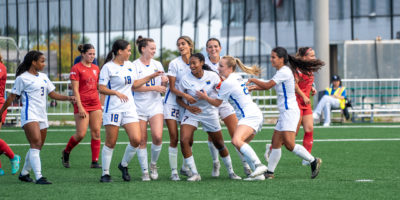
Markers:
point(105, 179)
point(25, 178)
point(269, 175)
point(43, 181)
point(65, 159)
point(315, 165)
point(125, 174)
point(95, 165)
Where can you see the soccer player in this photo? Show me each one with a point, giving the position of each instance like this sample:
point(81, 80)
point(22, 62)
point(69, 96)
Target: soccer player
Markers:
point(33, 87)
point(225, 110)
point(201, 78)
point(117, 79)
point(149, 105)
point(177, 68)
point(234, 88)
point(87, 110)
point(289, 117)
point(4, 148)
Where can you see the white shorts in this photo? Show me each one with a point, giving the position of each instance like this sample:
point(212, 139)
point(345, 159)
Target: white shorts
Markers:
point(225, 110)
point(255, 122)
point(209, 124)
point(288, 120)
point(147, 109)
point(172, 112)
point(42, 124)
point(120, 118)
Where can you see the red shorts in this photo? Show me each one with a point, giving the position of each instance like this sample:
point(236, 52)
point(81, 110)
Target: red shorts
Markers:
point(305, 111)
point(3, 117)
point(88, 108)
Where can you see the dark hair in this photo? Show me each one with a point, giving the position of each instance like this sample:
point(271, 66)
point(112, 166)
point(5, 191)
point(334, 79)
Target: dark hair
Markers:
point(28, 59)
point(189, 41)
point(213, 39)
point(83, 48)
point(303, 51)
point(202, 59)
point(142, 42)
point(1, 59)
point(305, 67)
point(118, 45)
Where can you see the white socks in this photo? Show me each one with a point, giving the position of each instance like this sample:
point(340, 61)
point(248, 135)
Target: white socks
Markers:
point(228, 164)
point(27, 165)
point(274, 158)
point(34, 159)
point(155, 153)
point(142, 156)
point(190, 163)
point(303, 153)
point(173, 159)
point(250, 155)
point(106, 155)
point(244, 162)
point(213, 151)
point(130, 151)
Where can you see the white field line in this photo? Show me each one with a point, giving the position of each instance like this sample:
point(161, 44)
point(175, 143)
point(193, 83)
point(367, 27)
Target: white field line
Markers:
point(253, 141)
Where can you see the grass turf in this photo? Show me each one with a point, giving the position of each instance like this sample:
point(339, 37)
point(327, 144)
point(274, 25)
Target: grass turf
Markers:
point(344, 162)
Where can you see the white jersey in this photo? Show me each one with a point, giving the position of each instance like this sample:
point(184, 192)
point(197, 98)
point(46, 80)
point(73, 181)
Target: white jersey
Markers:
point(285, 89)
point(213, 66)
point(177, 68)
point(119, 78)
point(33, 90)
point(235, 89)
point(190, 84)
point(141, 70)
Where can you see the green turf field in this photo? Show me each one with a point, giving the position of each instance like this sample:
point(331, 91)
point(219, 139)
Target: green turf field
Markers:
point(352, 169)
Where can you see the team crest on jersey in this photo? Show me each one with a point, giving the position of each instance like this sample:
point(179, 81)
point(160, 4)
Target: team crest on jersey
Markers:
point(45, 81)
point(208, 82)
point(94, 72)
point(130, 69)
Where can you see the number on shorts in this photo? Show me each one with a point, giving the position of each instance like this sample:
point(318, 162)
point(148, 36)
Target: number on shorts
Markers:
point(186, 117)
point(245, 90)
point(152, 82)
point(128, 80)
point(175, 113)
point(114, 117)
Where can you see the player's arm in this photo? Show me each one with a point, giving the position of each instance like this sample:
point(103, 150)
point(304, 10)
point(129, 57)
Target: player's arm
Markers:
point(56, 96)
point(203, 95)
point(261, 85)
point(75, 92)
point(192, 109)
point(8, 102)
point(157, 88)
point(104, 90)
point(178, 93)
point(301, 93)
point(139, 82)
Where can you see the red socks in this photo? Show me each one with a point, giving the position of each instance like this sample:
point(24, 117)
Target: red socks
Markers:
point(4, 148)
point(71, 144)
point(308, 141)
point(95, 146)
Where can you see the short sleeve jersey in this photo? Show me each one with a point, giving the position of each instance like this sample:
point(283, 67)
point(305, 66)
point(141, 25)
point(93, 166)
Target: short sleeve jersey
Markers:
point(305, 84)
point(234, 88)
point(33, 90)
point(213, 66)
point(177, 68)
point(88, 78)
point(119, 78)
point(208, 82)
point(141, 70)
point(285, 89)
point(3, 80)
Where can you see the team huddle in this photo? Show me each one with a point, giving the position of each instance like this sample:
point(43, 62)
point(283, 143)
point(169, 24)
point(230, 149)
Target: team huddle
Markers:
point(195, 90)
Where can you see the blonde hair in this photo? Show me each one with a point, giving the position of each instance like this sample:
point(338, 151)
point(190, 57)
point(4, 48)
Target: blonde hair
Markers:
point(232, 62)
point(189, 41)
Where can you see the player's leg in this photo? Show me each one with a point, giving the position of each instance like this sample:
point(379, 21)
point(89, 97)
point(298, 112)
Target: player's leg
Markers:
point(95, 142)
point(186, 138)
point(156, 126)
point(107, 151)
point(142, 150)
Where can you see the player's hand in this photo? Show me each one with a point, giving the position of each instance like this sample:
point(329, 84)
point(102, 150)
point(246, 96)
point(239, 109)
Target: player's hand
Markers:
point(201, 94)
point(164, 80)
point(122, 97)
point(250, 80)
point(82, 112)
point(189, 98)
point(306, 100)
point(194, 109)
point(160, 89)
point(72, 99)
point(157, 73)
point(313, 91)
point(252, 87)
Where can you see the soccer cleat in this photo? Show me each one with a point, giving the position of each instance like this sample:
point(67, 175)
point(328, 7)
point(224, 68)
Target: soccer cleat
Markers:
point(185, 172)
point(175, 177)
point(153, 171)
point(267, 152)
point(95, 165)
point(25, 178)
point(305, 163)
point(247, 170)
point(15, 164)
point(269, 175)
point(1, 172)
point(105, 179)
point(260, 169)
point(215, 171)
point(125, 174)
point(326, 125)
point(65, 159)
point(315, 166)
point(233, 176)
point(195, 177)
point(43, 181)
point(257, 178)
point(146, 177)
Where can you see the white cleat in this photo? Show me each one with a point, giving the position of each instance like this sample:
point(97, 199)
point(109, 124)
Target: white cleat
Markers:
point(215, 171)
point(267, 152)
point(153, 172)
point(257, 178)
point(146, 177)
point(195, 177)
point(260, 169)
point(175, 177)
point(305, 163)
point(185, 172)
point(233, 176)
point(247, 170)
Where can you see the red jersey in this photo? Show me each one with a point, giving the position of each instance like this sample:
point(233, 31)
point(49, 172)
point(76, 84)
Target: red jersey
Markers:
point(3, 79)
point(88, 78)
point(305, 85)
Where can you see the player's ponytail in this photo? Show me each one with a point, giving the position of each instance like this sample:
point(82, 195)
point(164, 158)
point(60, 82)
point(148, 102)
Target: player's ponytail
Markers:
point(28, 59)
point(118, 45)
point(232, 62)
point(142, 42)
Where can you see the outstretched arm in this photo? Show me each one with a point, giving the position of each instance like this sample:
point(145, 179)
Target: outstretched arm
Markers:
point(214, 102)
point(261, 84)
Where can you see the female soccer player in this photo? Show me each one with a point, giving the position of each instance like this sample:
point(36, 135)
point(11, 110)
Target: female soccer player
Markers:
point(87, 110)
point(285, 129)
point(149, 105)
point(234, 88)
point(225, 110)
point(117, 79)
point(4, 148)
point(33, 86)
point(176, 70)
point(201, 78)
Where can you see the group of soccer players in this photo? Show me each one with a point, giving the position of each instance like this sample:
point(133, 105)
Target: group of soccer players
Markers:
point(197, 89)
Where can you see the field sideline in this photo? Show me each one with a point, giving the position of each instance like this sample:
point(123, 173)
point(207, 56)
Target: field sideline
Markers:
point(359, 162)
